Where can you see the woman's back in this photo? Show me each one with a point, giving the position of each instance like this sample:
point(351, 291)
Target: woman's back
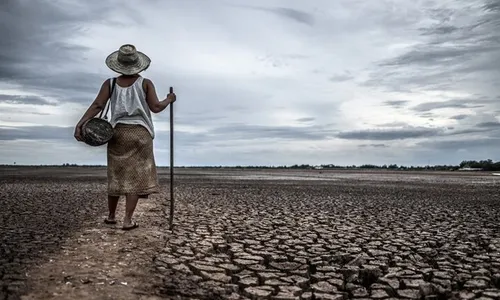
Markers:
point(128, 103)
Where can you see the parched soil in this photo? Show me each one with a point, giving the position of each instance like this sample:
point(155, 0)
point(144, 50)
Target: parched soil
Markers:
point(256, 235)
point(54, 244)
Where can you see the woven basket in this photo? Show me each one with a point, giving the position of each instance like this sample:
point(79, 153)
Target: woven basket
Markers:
point(97, 132)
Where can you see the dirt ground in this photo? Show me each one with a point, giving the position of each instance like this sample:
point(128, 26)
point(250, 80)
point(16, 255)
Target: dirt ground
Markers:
point(55, 245)
point(259, 234)
point(103, 261)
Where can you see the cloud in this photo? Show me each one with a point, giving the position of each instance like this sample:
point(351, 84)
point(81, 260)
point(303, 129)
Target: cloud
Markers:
point(287, 12)
point(389, 134)
point(396, 103)
point(393, 124)
point(468, 144)
point(281, 82)
point(459, 117)
point(439, 30)
point(250, 132)
point(456, 103)
point(489, 125)
point(233, 132)
point(43, 133)
point(341, 77)
point(38, 50)
point(459, 43)
point(294, 14)
point(18, 99)
point(305, 120)
point(373, 146)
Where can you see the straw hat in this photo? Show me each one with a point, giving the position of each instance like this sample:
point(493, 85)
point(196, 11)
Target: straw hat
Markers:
point(127, 60)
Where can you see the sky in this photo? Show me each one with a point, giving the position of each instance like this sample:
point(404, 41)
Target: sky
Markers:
point(274, 82)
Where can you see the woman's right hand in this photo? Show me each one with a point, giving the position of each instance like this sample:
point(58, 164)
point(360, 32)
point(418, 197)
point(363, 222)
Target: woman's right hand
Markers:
point(78, 133)
point(171, 97)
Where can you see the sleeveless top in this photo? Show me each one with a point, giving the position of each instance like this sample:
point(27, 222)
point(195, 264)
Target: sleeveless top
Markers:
point(128, 106)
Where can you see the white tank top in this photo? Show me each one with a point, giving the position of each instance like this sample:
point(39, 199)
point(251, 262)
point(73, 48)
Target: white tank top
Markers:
point(128, 106)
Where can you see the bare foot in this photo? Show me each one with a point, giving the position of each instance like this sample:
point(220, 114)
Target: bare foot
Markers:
point(110, 220)
point(130, 225)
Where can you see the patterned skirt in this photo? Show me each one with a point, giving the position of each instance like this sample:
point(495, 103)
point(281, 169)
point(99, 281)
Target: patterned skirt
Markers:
point(131, 162)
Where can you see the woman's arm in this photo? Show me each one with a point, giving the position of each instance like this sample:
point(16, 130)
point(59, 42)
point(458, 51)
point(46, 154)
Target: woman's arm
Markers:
point(98, 104)
point(94, 109)
point(154, 104)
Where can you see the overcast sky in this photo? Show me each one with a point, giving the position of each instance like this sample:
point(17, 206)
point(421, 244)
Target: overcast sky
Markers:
point(268, 83)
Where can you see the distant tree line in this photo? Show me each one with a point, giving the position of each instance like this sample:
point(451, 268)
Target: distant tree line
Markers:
point(484, 165)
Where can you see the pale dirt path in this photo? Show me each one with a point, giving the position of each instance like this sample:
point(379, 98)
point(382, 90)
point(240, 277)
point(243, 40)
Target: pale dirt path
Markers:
point(105, 262)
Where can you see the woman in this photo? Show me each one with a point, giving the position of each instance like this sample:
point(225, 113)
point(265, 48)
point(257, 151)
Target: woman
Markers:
point(131, 163)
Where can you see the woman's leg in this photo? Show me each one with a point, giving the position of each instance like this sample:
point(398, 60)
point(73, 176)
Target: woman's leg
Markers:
point(130, 205)
point(112, 204)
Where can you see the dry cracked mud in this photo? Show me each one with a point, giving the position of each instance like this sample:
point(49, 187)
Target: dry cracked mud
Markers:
point(429, 237)
point(284, 234)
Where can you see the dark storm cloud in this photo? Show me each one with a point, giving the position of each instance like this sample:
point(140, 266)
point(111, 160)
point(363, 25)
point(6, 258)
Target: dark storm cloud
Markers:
point(252, 132)
point(456, 103)
point(448, 53)
point(285, 12)
point(470, 144)
point(439, 30)
point(396, 103)
point(437, 54)
point(305, 120)
point(17, 99)
point(8, 133)
point(389, 134)
point(486, 129)
point(394, 124)
point(373, 146)
point(33, 51)
point(297, 15)
point(492, 5)
point(488, 125)
point(459, 117)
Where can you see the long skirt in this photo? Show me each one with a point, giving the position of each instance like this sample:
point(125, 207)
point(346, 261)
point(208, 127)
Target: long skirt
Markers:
point(131, 162)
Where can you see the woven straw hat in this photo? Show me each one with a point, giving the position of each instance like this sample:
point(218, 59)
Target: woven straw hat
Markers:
point(127, 60)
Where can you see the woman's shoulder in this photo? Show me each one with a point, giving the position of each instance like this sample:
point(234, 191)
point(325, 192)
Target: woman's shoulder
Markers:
point(145, 83)
point(145, 79)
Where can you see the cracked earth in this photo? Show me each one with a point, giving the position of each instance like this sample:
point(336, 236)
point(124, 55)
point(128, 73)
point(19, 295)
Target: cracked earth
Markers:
point(286, 235)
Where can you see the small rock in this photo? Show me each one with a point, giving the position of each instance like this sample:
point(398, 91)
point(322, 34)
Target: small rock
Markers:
point(285, 266)
point(413, 283)
point(221, 277)
point(294, 290)
point(206, 268)
point(85, 280)
point(324, 287)
point(426, 289)
point(393, 283)
point(321, 296)
point(285, 296)
point(306, 296)
point(476, 284)
point(409, 294)
point(261, 292)
point(466, 295)
point(492, 293)
point(359, 292)
point(379, 294)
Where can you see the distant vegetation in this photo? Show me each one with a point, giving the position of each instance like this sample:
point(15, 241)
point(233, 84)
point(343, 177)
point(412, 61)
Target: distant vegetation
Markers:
point(482, 165)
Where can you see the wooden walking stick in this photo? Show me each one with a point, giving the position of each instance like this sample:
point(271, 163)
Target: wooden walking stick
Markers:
point(171, 162)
